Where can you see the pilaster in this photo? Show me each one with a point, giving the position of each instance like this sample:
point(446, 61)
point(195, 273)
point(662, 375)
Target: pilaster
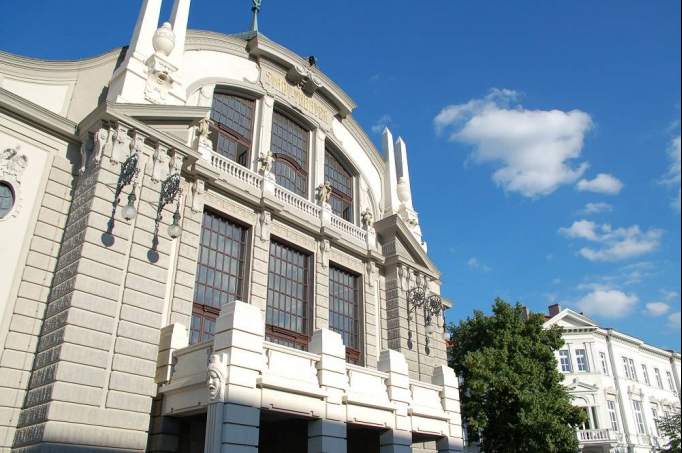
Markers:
point(399, 439)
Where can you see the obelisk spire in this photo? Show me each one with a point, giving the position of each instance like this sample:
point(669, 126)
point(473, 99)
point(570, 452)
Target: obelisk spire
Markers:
point(255, 8)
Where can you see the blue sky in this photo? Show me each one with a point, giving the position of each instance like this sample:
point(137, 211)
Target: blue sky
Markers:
point(543, 136)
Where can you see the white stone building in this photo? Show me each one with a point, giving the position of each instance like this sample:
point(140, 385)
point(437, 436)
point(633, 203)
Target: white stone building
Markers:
point(623, 383)
point(202, 250)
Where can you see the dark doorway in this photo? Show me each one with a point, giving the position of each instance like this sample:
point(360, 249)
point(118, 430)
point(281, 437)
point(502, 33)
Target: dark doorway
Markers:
point(282, 434)
point(363, 440)
point(192, 433)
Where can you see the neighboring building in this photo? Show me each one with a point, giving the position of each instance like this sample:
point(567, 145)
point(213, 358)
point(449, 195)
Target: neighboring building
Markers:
point(201, 247)
point(623, 384)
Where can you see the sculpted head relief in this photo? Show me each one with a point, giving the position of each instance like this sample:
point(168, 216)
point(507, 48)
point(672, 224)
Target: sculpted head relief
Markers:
point(215, 380)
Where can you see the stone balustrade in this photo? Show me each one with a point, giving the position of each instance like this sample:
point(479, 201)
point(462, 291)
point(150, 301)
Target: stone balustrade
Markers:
point(245, 372)
point(597, 436)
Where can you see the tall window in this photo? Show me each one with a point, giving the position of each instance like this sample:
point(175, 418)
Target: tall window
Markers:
point(671, 383)
point(344, 309)
point(604, 364)
point(645, 374)
point(654, 417)
point(659, 380)
point(613, 416)
point(341, 181)
point(288, 295)
point(290, 149)
point(633, 370)
point(232, 127)
point(581, 360)
point(626, 368)
point(639, 416)
point(565, 361)
point(220, 272)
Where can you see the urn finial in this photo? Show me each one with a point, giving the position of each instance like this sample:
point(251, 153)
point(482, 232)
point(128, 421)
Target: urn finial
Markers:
point(164, 40)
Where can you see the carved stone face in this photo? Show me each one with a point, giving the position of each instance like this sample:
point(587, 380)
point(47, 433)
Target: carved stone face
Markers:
point(214, 384)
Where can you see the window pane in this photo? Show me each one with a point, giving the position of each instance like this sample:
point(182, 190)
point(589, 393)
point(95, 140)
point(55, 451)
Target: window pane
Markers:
point(341, 181)
point(344, 305)
point(290, 149)
point(219, 277)
point(287, 300)
point(232, 127)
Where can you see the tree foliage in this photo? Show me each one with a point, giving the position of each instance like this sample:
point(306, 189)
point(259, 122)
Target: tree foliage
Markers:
point(513, 399)
point(670, 427)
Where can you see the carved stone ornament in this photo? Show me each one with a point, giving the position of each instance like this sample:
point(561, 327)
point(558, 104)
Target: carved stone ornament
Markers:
point(215, 381)
point(265, 222)
point(176, 160)
point(198, 191)
point(159, 69)
point(325, 248)
point(120, 144)
point(372, 273)
point(367, 218)
point(160, 163)
point(265, 162)
point(164, 40)
point(324, 193)
point(102, 142)
point(12, 166)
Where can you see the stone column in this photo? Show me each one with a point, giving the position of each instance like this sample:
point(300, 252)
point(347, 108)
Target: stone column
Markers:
point(319, 139)
point(399, 439)
point(445, 376)
point(263, 138)
point(233, 419)
point(329, 435)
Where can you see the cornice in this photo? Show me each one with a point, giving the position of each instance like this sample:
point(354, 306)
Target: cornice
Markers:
point(17, 105)
point(394, 226)
point(162, 112)
point(39, 65)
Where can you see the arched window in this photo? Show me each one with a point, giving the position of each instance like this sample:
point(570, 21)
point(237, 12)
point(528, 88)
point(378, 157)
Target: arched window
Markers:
point(232, 127)
point(6, 199)
point(342, 186)
point(290, 150)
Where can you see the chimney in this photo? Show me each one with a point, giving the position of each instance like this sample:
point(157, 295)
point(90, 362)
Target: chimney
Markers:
point(554, 310)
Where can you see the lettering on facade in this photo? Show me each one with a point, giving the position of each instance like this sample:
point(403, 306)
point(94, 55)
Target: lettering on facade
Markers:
point(298, 98)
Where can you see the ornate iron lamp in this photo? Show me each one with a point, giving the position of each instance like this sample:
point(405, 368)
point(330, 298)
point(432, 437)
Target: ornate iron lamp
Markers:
point(433, 308)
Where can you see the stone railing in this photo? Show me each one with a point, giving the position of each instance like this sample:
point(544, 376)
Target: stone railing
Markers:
point(349, 229)
point(233, 169)
point(597, 436)
point(299, 203)
point(240, 367)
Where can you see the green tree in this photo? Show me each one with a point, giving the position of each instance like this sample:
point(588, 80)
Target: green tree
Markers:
point(513, 399)
point(670, 427)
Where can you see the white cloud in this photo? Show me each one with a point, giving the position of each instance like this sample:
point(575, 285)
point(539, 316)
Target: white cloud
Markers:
point(382, 123)
point(669, 295)
point(596, 208)
point(673, 176)
point(608, 303)
point(583, 229)
point(531, 149)
point(674, 320)
point(656, 309)
point(476, 264)
point(603, 183)
point(616, 244)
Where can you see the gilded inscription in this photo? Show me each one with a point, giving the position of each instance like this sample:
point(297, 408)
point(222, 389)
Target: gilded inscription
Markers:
point(298, 98)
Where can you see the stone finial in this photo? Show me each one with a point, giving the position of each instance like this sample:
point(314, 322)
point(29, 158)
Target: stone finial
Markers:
point(391, 201)
point(164, 40)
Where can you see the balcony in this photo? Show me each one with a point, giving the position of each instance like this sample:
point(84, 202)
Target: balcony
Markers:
point(594, 437)
point(239, 367)
point(257, 186)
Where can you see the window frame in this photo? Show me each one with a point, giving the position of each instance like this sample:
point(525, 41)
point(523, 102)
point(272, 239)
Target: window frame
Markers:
point(206, 311)
point(633, 370)
point(332, 151)
point(221, 129)
point(569, 365)
point(659, 378)
point(604, 363)
point(288, 160)
point(626, 367)
point(581, 360)
point(638, 409)
point(282, 335)
point(645, 372)
point(353, 354)
point(613, 414)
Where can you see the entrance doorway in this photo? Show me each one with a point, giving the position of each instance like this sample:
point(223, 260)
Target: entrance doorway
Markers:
point(362, 439)
point(282, 434)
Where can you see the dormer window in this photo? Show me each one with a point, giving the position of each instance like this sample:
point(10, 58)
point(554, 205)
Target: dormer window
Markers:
point(232, 127)
point(341, 181)
point(290, 150)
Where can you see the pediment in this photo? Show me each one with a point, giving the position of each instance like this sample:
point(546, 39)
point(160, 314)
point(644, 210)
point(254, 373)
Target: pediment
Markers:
point(395, 232)
point(569, 319)
point(578, 386)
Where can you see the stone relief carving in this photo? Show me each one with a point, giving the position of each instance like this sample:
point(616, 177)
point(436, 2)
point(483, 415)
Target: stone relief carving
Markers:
point(367, 218)
point(265, 162)
point(160, 163)
point(120, 149)
point(176, 160)
point(265, 222)
point(325, 247)
point(215, 378)
point(103, 138)
point(12, 166)
point(198, 190)
point(372, 273)
point(324, 193)
point(159, 70)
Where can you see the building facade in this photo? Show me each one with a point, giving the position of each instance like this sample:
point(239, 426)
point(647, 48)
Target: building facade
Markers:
point(622, 383)
point(203, 251)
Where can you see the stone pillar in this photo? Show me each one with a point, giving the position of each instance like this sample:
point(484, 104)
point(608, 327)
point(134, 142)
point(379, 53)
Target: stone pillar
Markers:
point(329, 435)
point(398, 440)
point(263, 139)
point(233, 418)
point(319, 139)
point(445, 376)
point(179, 19)
point(391, 202)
